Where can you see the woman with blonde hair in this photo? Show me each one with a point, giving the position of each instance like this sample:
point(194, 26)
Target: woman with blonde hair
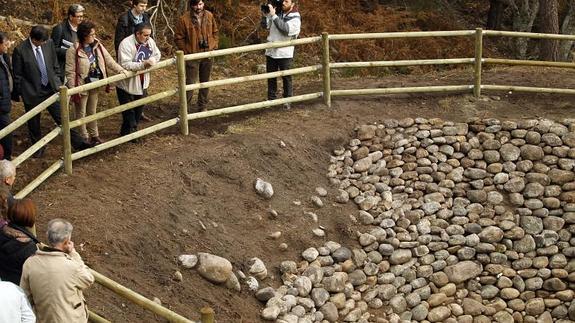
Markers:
point(88, 61)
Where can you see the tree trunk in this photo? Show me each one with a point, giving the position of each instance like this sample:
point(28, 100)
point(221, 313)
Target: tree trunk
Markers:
point(524, 14)
point(567, 28)
point(549, 25)
point(495, 14)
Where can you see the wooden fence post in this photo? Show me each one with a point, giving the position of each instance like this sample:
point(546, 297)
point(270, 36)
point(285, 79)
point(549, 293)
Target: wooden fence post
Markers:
point(326, 70)
point(207, 315)
point(66, 141)
point(478, 55)
point(181, 67)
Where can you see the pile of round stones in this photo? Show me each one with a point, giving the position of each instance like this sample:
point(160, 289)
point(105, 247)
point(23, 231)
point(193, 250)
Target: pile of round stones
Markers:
point(460, 222)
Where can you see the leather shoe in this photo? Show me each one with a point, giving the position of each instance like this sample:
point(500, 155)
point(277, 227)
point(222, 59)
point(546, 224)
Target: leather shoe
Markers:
point(39, 153)
point(96, 141)
point(144, 117)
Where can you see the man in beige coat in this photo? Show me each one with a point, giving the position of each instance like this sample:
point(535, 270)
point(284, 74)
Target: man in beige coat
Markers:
point(53, 279)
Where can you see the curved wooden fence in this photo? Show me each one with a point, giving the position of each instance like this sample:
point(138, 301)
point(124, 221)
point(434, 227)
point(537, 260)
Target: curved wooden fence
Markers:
point(324, 68)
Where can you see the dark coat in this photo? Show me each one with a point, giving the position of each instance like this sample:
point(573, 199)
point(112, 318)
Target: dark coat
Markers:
point(27, 77)
point(125, 27)
point(16, 245)
point(61, 32)
point(5, 95)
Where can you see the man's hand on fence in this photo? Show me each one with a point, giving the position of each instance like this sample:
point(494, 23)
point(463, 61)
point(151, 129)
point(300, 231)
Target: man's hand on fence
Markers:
point(148, 63)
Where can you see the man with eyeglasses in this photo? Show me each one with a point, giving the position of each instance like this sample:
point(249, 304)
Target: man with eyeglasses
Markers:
point(64, 34)
point(136, 52)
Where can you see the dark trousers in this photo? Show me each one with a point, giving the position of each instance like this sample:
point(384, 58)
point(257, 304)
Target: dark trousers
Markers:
point(198, 70)
point(274, 65)
point(35, 131)
point(6, 142)
point(130, 118)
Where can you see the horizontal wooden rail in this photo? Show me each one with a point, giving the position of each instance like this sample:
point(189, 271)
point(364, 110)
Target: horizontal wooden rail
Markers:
point(527, 35)
point(28, 115)
point(39, 180)
point(404, 90)
point(93, 317)
point(36, 146)
point(527, 63)
point(257, 77)
point(126, 138)
point(403, 63)
point(253, 106)
point(139, 299)
point(527, 89)
point(251, 48)
point(121, 108)
point(406, 34)
point(119, 77)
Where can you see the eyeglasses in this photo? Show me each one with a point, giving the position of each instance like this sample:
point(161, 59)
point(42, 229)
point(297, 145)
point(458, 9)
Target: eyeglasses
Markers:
point(92, 35)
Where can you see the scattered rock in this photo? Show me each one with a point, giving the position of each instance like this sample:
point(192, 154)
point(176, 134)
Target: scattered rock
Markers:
point(264, 188)
point(188, 261)
point(214, 268)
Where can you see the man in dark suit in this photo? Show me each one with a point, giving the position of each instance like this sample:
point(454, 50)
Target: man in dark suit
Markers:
point(64, 34)
point(6, 86)
point(36, 78)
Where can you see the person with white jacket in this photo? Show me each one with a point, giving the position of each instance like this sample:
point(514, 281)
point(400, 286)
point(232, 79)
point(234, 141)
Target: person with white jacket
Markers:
point(283, 26)
point(135, 53)
point(15, 306)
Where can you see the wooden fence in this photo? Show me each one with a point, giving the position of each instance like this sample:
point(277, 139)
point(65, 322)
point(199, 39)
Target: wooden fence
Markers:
point(324, 68)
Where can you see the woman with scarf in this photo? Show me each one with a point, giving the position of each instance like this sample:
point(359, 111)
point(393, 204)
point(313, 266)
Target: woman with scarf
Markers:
point(88, 61)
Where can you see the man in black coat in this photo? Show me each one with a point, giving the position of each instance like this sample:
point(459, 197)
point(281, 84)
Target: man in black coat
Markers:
point(127, 22)
point(6, 87)
point(36, 78)
point(64, 34)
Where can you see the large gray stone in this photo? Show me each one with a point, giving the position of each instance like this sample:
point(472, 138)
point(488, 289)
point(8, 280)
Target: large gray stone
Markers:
point(329, 311)
point(491, 234)
point(341, 254)
point(214, 268)
point(531, 224)
point(525, 245)
point(560, 177)
point(264, 188)
point(509, 152)
point(514, 185)
point(463, 271)
point(335, 283)
point(400, 256)
point(439, 314)
point(532, 152)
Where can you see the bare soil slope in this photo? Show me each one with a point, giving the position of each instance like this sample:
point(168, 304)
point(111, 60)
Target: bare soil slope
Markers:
point(137, 207)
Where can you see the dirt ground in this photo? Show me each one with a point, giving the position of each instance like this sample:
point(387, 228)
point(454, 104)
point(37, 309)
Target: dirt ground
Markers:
point(138, 206)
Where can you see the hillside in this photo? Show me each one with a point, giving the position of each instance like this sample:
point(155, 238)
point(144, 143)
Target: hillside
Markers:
point(137, 207)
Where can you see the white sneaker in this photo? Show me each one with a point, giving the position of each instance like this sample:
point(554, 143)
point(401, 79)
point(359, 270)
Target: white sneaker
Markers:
point(287, 106)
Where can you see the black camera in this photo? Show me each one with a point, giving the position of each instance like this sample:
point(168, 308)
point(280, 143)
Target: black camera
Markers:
point(94, 74)
point(277, 4)
point(204, 44)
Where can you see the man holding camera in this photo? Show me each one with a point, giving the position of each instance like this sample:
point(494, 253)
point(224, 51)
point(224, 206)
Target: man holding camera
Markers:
point(283, 26)
point(196, 32)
